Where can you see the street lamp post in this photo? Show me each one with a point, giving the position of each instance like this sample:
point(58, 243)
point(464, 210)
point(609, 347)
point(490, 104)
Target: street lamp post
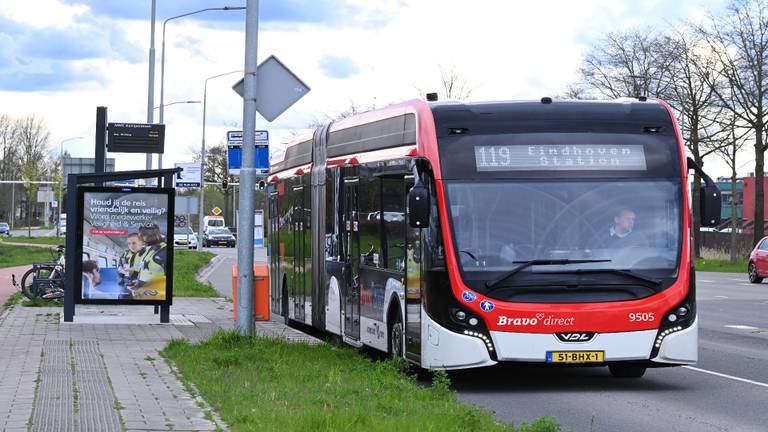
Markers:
point(61, 182)
point(162, 60)
point(201, 207)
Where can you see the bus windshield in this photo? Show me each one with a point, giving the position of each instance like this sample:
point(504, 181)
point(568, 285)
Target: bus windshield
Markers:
point(610, 224)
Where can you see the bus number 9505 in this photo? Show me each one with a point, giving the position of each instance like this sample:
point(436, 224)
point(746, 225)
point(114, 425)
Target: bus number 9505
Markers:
point(640, 317)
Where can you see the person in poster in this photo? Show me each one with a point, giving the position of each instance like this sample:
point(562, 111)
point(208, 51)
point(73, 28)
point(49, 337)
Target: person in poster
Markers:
point(130, 259)
point(150, 284)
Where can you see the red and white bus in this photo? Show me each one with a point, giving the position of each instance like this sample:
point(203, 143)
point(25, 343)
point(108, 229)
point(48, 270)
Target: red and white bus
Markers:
point(462, 235)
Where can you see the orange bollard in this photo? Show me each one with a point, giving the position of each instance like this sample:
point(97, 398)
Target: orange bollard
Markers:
point(260, 288)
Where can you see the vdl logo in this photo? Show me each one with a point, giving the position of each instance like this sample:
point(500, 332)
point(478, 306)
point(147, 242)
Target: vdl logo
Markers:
point(468, 296)
point(575, 337)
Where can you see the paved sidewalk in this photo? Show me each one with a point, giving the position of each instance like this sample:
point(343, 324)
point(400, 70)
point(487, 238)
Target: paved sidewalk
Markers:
point(6, 285)
point(100, 375)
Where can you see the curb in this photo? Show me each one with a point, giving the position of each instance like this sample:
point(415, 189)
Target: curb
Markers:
point(38, 245)
point(207, 269)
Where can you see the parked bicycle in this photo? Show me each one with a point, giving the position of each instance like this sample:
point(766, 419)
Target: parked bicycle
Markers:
point(44, 280)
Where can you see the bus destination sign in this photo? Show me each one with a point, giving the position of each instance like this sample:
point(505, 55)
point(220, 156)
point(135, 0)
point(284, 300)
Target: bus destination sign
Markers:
point(136, 137)
point(559, 157)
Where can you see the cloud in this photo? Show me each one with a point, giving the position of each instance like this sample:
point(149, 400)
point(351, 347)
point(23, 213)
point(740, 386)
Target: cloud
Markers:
point(48, 58)
point(322, 12)
point(338, 67)
point(33, 76)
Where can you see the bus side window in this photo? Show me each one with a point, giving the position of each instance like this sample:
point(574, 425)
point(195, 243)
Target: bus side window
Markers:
point(393, 212)
point(434, 237)
point(370, 220)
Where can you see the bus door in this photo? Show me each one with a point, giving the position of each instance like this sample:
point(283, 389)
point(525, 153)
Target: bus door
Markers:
point(273, 250)
point(412, 286)
point(298, 250)
point(351, 269)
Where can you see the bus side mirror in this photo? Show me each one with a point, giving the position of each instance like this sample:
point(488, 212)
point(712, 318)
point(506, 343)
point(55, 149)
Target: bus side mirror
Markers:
point(711, 204)
point(418, 206)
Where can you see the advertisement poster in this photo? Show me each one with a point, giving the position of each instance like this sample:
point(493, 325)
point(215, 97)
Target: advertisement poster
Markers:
point(125, 244)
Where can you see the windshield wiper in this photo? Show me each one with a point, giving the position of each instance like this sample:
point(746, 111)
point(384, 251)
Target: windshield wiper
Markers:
point(628, 273)
point(526, 264)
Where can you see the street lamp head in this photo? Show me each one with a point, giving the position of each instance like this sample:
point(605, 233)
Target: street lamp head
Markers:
point(233, 7)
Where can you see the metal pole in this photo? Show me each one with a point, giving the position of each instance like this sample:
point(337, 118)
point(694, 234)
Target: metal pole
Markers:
point(201, 211)
point(13, 203)
point(61, 187)
point(201, 204)
point(162, 88)
point(162, 63)
point(245, 295)
point(151, 91)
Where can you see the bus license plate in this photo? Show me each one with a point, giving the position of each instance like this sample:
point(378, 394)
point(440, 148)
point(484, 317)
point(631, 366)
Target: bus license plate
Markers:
point(575, 356)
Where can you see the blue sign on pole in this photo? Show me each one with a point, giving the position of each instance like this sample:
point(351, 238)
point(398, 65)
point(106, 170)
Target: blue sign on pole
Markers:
point(235, 152)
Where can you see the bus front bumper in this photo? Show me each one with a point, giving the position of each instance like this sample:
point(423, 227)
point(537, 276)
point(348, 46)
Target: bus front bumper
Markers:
point(675, 349)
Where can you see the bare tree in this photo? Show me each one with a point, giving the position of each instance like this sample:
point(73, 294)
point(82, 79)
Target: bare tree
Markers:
point(739, 41)
point(690, 91)
point(455, 86)
point(216, 171)
point(9, 163)
point(734, 138)
point(31, 136)
point(627, 64)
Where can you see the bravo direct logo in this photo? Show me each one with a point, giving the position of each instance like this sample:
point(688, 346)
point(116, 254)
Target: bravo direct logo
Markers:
point(468, 296)
point(540, 318)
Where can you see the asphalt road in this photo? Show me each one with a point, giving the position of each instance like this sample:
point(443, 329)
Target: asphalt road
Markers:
point(219, 274)
point(726, 391)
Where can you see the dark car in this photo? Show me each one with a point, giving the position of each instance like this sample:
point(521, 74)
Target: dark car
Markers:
point(218, 236)
point(5, 229)
point(757, 269)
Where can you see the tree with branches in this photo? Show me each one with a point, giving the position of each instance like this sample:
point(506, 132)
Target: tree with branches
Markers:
point(739, 41)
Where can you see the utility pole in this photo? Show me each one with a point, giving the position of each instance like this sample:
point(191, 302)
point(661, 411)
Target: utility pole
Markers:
point(245, 295)
point(151, 91)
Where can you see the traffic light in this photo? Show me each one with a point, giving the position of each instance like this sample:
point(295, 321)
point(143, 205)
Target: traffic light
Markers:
point(262, 185)
point(225, 183)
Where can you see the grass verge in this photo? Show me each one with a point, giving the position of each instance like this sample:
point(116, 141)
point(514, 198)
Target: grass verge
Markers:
point(715, 265)
point(35, 240)
point(13, 255)
point(267, 384)
point(186, 264)
point(13, 300)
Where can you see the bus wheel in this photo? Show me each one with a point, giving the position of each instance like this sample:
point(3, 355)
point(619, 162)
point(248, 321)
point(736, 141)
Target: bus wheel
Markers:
point(396, 337)
point(626, 370)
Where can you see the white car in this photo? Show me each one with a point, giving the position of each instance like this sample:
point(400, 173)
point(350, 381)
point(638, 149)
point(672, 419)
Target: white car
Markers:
point(184, 238)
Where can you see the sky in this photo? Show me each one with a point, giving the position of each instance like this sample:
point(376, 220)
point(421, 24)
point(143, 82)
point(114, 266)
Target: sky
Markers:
point(60, 59)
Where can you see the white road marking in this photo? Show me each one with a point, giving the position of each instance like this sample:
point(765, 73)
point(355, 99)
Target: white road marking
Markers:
point(736, 280)
point(741, 327)
point(731, 377)
point(746, 284)
point(721, 297)
point(705, 280)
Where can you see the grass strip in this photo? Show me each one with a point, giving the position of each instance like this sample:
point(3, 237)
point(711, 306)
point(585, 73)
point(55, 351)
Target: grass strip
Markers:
point(186, 264)
point(14, 255)
point(13, 300)
point(268, 384)
point(714, 265)
point(35, 240)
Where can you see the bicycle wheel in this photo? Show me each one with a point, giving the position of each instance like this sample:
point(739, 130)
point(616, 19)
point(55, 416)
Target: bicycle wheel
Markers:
point(27, 287)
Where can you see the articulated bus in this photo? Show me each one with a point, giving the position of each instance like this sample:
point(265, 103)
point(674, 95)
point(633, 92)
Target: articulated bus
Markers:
point(462, 235)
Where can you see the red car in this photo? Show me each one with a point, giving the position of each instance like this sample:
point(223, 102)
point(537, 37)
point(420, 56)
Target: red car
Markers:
point(758, 262)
